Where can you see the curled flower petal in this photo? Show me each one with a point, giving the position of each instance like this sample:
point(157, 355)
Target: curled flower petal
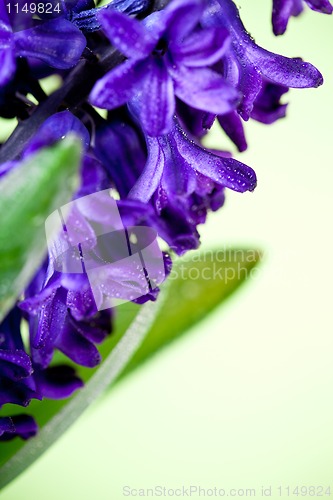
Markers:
point(228, 172)
point(289, 72)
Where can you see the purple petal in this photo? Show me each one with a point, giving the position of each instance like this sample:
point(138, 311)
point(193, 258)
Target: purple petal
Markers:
point(56, 128)
point(10, 332)
point(76, 347)
point(177, 230)
point(93, 176)
point(126, 159)
point(178, 178)
point(78, 5)
point(127, 34)
point(282, 11)
point(76, 282)
point(278, 69)
point(118, 86)
point(23, 426)
point(195, 121)
point(33, 303)
point(16, 364)
point(323, 6)
point(154, 103)
point(42, 357)
point(57, 382)
point(202, 48)
point(4, 15)
point(267, 107)
point(182, 17)
point(81, 304)
point(134, 213)
point(148, 181)
point(233, 127)
point(57, 42)
point(78, 229)
point(227, 172)
point(250, 84)
point(101, 208)
point(7, 65)
point(6, 425)
point(289, 72)
point(15, 392)
point(52, 319)
point(204, 89)
point(96, 327)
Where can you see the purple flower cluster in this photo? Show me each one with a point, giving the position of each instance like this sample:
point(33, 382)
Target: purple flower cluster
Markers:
point(165, 74)
point(284, 9)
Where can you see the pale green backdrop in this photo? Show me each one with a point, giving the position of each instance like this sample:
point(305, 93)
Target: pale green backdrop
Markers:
point(245, 401)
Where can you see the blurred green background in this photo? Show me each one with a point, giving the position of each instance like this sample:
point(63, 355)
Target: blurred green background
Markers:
point(245, 400)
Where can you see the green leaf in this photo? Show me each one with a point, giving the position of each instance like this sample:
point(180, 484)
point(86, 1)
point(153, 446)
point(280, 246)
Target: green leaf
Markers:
point(29, 193)
point(197, 285)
